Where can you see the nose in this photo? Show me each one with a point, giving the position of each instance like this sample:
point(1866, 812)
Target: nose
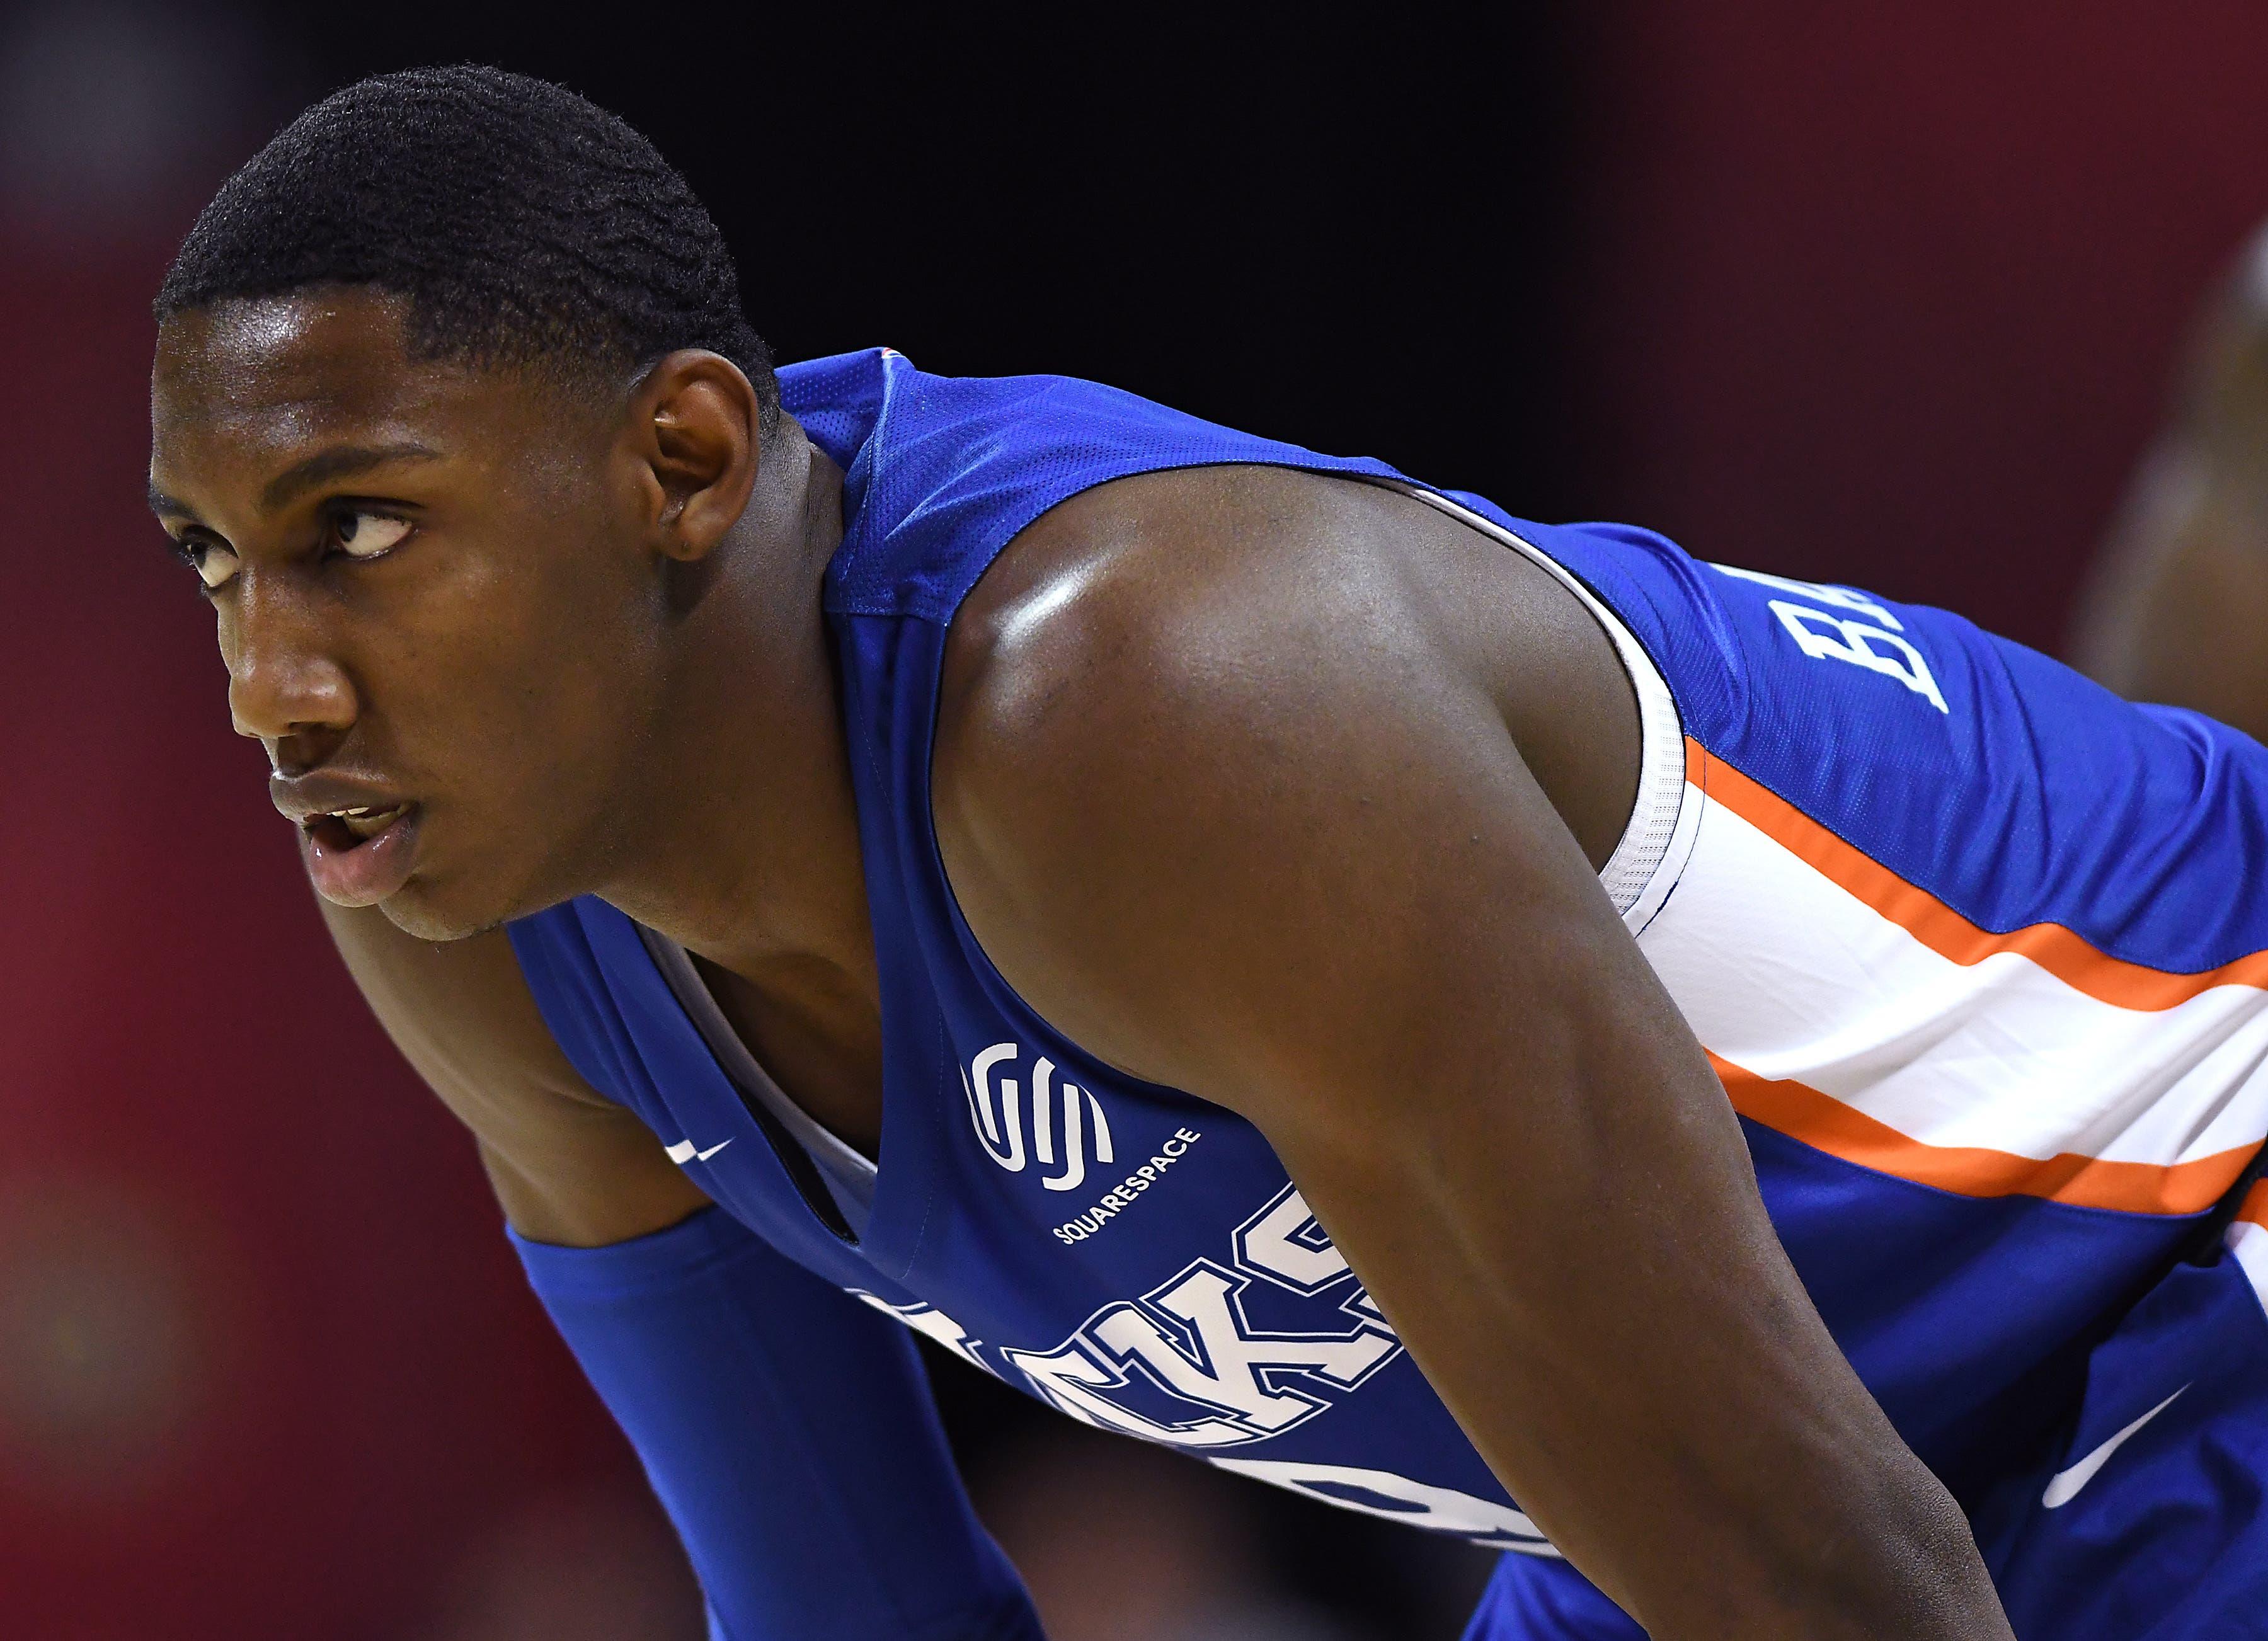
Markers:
point(286, 688)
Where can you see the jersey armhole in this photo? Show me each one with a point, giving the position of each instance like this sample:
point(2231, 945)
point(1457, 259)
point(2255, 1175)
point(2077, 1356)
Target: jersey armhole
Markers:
point(1658, 838)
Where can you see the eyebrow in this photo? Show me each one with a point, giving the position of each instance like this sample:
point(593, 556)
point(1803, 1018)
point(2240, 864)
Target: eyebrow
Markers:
point(338, 462)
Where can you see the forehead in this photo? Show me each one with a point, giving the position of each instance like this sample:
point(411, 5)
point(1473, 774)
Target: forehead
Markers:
point(252, 382)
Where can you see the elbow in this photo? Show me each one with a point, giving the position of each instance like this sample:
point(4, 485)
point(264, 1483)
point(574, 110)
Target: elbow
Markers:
point(1906, 1570)
point(1931, 1573)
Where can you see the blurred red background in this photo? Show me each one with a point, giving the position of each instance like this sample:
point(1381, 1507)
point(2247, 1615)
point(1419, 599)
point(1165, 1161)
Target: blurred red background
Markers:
point(1880, 295)
point(1890, 294)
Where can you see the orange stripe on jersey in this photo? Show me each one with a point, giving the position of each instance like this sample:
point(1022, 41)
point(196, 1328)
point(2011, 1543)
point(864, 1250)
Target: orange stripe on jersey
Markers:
point(1944, 931)
point(2256, 1205)
point(1825, 1123)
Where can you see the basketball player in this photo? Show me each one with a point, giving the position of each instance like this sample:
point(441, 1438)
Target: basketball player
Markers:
point(1249, 948)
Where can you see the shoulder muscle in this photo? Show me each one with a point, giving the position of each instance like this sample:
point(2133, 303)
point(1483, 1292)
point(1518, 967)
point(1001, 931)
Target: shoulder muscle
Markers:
point(1205, 723)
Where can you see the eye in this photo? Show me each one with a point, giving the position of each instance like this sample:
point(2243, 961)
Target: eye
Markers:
point(214, 562)
point(367, 535)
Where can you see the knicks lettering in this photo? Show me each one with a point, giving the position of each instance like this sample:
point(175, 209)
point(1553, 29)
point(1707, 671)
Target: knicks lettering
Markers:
point(1401, 1498)
point(1191, 1365)
point(1188, 1364)
point(932, 1322)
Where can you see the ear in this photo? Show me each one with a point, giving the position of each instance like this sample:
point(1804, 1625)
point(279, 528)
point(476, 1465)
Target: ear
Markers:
point(694, 434)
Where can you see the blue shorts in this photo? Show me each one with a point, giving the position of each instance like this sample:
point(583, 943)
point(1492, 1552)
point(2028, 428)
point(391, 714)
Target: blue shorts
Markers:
point(2151, 1524)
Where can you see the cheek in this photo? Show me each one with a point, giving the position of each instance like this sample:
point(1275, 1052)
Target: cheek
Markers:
point(542, 672)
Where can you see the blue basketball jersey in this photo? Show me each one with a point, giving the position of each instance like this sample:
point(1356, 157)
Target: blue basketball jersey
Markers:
point(1978, 950)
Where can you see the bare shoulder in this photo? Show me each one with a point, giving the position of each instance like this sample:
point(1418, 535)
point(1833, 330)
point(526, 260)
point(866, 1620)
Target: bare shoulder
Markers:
point(1248, 588)
point(1181, 563)
point(1131, 618)
point(1170, 682)
point(1117, 615)
point(568, 1165)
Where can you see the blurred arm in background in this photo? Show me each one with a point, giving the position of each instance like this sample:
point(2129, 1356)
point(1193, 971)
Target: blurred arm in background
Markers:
point(2177, 608)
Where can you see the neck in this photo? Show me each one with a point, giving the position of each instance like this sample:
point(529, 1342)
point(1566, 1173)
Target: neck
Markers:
point(741, 843)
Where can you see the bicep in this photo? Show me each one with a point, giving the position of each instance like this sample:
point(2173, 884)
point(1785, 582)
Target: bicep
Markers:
point(569, 1165)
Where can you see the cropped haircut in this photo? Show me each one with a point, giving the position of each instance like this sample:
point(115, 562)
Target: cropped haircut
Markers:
point(524, 226)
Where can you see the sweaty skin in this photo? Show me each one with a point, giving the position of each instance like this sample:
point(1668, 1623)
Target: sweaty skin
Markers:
point(1285, 790)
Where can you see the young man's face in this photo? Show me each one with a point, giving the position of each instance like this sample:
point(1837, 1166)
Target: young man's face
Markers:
point(433, 594)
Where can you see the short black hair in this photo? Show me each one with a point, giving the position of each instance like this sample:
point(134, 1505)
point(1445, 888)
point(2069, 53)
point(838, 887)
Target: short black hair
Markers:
point(524, 224)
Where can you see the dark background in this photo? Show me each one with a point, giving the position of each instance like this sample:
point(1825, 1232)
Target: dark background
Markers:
point(1879, 294)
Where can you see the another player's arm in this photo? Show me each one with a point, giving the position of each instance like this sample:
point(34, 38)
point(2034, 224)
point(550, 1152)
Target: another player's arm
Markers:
point(786, 1427)
point(1233, 814)
point(2177, 608)
point(2177, 601)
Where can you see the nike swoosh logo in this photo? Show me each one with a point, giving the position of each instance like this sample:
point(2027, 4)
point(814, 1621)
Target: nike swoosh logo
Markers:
point(2064, 1486)
point(682, 1152)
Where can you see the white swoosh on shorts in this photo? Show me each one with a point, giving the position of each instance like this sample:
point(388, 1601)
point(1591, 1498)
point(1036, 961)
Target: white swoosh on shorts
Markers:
point(2065, 1485)
point(683, 1152)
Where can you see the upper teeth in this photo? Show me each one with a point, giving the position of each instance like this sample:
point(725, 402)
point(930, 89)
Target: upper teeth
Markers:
point(366, 820)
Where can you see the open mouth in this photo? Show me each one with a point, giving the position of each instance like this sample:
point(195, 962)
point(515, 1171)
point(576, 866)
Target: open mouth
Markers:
point(358, 857)
point(344, 829)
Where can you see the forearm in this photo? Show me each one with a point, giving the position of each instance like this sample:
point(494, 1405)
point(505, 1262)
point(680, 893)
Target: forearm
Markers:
point(789, 1434)
point(1680, 1423)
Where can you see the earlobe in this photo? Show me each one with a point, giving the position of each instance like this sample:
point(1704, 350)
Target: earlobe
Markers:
point(698, 429)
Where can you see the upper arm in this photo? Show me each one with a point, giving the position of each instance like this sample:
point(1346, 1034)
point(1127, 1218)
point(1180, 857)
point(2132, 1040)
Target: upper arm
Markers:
point(1276, 845)
point(1219, 796)
point(568, 1165)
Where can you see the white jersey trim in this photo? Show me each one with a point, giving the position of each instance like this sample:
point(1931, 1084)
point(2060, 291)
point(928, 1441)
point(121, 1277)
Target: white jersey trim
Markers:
point(1658, 839)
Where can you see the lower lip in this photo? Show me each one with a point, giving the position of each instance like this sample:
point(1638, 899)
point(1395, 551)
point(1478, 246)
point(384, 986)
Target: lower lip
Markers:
point(368, 873)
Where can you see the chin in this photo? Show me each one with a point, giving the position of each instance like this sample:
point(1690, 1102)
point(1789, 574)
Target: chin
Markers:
point(419, 912)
